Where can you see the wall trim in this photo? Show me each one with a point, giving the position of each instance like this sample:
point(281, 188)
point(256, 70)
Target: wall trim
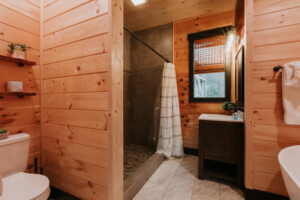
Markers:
point(261, 195)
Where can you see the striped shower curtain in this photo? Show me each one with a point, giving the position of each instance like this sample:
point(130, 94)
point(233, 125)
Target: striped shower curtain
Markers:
point(170, 136)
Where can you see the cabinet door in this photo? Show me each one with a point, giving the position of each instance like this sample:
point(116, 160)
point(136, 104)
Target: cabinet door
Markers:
point(220, 141)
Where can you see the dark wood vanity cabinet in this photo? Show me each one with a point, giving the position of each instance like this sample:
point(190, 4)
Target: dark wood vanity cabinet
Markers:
point(221, 151)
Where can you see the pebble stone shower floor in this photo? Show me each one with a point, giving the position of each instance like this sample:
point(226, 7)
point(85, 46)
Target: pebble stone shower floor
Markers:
point(135, 156)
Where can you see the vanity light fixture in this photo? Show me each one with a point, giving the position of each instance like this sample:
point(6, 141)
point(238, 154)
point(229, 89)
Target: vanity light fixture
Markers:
point(138, 2)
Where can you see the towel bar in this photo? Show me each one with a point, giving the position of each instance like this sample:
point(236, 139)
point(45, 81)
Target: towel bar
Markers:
point(277, 68)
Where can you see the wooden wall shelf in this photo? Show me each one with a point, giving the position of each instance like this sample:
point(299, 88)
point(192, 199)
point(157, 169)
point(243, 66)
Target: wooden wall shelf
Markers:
point(19, 62)
point(18, 94)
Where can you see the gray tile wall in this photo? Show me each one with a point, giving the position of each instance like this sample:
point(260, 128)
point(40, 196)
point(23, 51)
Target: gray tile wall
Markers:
point(145, 79)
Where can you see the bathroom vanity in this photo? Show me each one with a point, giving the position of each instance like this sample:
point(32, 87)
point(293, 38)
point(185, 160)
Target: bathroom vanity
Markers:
point(221, 148)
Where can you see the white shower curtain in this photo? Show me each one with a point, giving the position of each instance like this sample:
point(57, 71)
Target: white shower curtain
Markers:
point(170, 136)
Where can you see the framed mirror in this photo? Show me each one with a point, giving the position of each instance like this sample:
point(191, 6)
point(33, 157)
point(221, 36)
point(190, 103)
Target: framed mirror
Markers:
point(210, 65)
point(239, 77)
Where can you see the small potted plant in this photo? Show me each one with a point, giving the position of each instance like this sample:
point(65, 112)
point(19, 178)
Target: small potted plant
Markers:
point(17, 50)
point(229, 107)
point(3, 134)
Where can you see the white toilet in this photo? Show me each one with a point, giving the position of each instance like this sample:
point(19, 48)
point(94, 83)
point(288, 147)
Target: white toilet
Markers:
point(17, 185)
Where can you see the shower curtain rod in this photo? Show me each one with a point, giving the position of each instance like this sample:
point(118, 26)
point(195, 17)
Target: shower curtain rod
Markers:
point(139, 39)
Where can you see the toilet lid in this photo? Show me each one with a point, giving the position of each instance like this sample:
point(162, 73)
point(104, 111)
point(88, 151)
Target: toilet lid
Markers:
point(24, 186)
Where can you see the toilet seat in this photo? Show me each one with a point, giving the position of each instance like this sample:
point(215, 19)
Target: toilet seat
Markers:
point(24, 186)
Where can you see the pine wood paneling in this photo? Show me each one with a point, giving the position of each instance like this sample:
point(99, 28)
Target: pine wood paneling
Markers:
point(266, 164)
point(61, 7)
point(75, 16)
point(32, 129)
point(77, 49)
point(77, 101)
point(266, 85)
point(89, 28)
point(29, 84)
point(24, 7)
point(191, 111)
point(268, 149)
point(78, 81)
point(13, 18)
point(32, 54)
point(19, 23)
point(277, 19)
point(276, 133)
point(9, 33)
point(274, 36)
point(80, 135)
point(202, 23)
point(84, 83)
point(34, 2)
point(83, 118)
point(30, 162)
point(79, 66)
point(9, 69)
point(49, 2)
point(265, 69)
point(13, 117)
point(268, 6)
point(115, 116)
point(190, 134)
point(73, 184)
point(269, 182)
point(35, 145)
point(267, 100)
point(158, 12)
point(83, 170)
point(28, 102)
point(274, 42)
point(79, 152)
point(276, 51)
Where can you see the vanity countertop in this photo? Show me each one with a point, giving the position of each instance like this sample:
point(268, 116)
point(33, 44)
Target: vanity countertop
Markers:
point(219, 117)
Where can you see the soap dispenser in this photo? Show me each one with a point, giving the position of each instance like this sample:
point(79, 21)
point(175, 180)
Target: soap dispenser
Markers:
point(235, 115)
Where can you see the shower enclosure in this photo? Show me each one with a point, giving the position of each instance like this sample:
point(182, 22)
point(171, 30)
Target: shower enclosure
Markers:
point(142, 81)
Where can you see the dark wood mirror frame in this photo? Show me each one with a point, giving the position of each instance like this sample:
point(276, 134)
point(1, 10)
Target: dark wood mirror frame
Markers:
point(202, 35)
point(240, 77)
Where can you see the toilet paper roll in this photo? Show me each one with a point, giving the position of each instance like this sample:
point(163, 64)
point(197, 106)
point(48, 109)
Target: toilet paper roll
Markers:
point(14, 86)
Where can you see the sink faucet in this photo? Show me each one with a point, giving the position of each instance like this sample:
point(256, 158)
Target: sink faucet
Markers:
point(240, 108)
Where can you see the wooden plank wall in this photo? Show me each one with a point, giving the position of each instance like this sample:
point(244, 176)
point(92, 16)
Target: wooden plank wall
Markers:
point(191, 111)
point(20, 23)
point(79, 78)
point(272, 39)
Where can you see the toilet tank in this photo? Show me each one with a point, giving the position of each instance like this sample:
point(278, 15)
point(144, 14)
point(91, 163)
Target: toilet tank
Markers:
point(14, 153)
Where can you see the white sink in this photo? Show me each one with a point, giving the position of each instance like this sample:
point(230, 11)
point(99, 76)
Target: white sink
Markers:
point(219, 117)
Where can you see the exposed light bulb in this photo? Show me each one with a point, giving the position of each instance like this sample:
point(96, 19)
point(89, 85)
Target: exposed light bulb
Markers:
point(138, 2)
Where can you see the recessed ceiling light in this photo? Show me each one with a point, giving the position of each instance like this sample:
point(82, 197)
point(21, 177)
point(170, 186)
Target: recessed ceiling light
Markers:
point(138, 2)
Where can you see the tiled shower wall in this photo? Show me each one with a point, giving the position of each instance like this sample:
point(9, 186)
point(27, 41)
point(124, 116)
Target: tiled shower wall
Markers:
point(144, 75)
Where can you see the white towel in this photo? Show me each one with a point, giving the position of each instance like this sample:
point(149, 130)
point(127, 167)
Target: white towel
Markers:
point(291, 92)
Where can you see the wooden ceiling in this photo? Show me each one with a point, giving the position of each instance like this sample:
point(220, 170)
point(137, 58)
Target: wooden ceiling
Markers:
point(158, 12)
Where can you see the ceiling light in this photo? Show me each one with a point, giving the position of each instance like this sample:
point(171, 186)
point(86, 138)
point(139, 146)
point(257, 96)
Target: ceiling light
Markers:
point(138, 2)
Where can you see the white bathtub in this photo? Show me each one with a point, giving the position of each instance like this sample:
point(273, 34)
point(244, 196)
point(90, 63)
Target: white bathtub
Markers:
point(289, 159)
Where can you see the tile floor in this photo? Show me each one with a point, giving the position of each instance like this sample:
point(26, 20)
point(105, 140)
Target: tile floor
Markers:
point(177, 180)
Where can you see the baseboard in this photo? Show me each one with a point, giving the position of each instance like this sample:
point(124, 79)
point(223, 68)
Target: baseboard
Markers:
point(59, 194)
point(190, 151)
point(261, 195)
